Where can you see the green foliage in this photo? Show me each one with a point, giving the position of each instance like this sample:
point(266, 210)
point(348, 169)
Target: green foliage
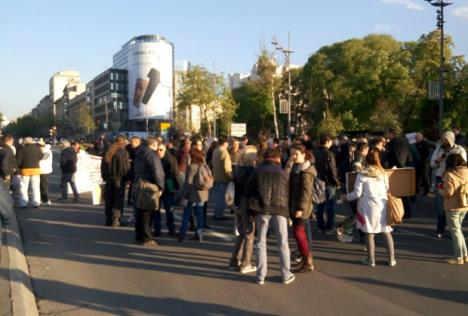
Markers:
point(82, 120)
point(27, 125)
point(209, 92)
point(330, 124)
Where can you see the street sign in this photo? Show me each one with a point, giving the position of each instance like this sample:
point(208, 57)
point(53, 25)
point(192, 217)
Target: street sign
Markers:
point(164, 126)
point(433, 90)
point(238, 129)
point(283, 106)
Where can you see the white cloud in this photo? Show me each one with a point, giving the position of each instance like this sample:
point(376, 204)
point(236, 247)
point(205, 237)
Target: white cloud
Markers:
point(461, 12)
point(409, 4)
point(386, 29)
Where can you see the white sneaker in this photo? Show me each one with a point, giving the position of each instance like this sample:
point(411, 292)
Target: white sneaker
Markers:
point(260, 282)
point(248, 269)
point(392, 263)
point(290, 279)
point(366, 262)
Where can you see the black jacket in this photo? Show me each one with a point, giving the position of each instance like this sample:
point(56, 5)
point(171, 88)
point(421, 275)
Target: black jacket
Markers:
point(268, 190)
point(28, 156)
point(148, 167)
point(68, 160)
point(7, 161)
point(171, 170)
point(326, 166)
point(117, 169)
point(398, 153)
point(241, 179)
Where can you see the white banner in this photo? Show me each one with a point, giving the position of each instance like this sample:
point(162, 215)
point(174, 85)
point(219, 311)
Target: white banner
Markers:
point(88, 173)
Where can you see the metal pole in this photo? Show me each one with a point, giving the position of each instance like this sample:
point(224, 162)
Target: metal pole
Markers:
point(441, 74)
point(288, 60)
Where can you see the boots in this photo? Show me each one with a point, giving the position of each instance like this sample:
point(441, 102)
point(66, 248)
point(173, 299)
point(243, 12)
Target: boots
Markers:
point(306, 265)
point(116, 218)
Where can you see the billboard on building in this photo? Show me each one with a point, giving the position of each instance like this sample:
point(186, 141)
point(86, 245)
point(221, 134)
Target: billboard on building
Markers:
point(150, 80)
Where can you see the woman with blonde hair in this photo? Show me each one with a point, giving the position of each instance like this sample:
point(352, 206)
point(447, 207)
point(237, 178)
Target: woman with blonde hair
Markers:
point(371, 189)
point(245, 220)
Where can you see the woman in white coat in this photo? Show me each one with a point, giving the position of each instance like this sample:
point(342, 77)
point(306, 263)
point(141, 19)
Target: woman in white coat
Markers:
point(46, 168)
point(371, 189)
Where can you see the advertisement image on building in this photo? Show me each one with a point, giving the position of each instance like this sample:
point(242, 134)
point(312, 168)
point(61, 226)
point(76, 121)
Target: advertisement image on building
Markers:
point(150, 69)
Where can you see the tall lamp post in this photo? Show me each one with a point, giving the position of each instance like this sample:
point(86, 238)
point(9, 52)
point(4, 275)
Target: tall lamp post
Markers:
point(287, 56)
point(440, 4)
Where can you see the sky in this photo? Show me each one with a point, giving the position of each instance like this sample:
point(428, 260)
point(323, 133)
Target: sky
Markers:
point(39, 38)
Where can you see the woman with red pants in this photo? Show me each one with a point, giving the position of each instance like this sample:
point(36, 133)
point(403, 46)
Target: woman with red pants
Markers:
point(300, 202)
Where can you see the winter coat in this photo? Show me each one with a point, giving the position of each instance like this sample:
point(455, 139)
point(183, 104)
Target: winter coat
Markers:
point(28, 158)
point(68, 160)
point(371, 189)
point(171, 171)
point(399, 153)
point(148, 167)
point(301, 182)
point(8, 164)
point(326, 166)
point(222, 166)
point(189, 192)
point(441, 152)
point(267, 190)
point(450, 192)
point(241, 179)
point(46, 163)
point(116, 170)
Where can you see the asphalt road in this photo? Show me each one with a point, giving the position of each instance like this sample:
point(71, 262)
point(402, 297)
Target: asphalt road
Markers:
point(80, 267)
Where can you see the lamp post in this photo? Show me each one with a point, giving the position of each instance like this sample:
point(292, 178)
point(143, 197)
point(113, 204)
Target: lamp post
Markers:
point(287, 63)
point(440, 4)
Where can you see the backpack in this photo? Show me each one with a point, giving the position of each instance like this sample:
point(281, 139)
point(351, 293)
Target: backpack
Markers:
point(319, 191)
point(203, 179)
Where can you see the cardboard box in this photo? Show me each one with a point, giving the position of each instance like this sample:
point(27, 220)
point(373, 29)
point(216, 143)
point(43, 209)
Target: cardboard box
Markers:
point(402, 181)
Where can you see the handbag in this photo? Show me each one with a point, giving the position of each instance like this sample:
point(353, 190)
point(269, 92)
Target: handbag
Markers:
point(147, 196)
point(395, 210)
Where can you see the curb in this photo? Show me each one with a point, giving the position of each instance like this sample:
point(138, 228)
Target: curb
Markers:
point(22, 296)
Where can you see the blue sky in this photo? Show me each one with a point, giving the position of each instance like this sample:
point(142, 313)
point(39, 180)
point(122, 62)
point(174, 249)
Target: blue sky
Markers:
point(39, 38)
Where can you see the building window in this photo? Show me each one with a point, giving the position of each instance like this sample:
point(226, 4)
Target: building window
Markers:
point(112, 86)
point(117, 76)
point(111, 76)
point(117, 86)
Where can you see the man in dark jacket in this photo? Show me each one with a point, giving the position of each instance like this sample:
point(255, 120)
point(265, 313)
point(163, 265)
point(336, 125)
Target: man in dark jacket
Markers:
point(114, 168)
point(399, 156)
point(268, 195)
point(171, 174)
point(28, 158)
point(147, 167)
point(8, 164)
point(423, 175)
point(68, 161)
point(327, 172)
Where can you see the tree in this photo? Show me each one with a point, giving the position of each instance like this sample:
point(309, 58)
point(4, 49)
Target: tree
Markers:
point(82, 119)
point(25, 126)
point(209, 92)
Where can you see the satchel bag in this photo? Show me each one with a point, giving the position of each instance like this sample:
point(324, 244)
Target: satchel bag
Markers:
point(395, 210)
point(147, 195)
point(319, 191)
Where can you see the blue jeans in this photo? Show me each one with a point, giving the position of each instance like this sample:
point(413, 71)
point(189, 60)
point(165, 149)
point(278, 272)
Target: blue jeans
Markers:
point(455, 220)
point(440, 213)
point(68, 178)
point(168, 201)
point(198, 207)
point(219, 191)
point(329, 205)
point(280, 225)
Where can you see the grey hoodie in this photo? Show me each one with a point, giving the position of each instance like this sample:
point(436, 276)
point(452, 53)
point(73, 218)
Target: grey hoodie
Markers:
point(440, 152)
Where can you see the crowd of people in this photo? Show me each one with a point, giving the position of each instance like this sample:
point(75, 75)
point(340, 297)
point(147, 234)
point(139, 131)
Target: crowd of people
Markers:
point(274, 184)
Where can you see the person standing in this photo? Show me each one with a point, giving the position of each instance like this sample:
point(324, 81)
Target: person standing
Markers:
point(195, 194)
point(171, 177)
point(222, 172)
point(399, 156)
point(371, 189)
point(301, 180)
point(46, 168)
point(456, 176)
point(445, 147)
point(28, 158)
point(327, 172)
point(267, 194)
point(68, 162)
point(147, 167)
point(424, 148)
point(8, 165)
point(114, 168)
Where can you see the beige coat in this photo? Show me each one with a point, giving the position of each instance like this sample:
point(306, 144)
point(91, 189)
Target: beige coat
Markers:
point(451, 191)
point(222, 166)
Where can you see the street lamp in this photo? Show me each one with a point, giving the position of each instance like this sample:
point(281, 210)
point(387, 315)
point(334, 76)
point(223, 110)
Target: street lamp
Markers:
point(287, 56)
point(440, 4)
